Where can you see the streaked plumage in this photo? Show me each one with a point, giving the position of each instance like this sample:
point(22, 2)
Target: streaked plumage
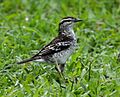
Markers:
point(60, 48)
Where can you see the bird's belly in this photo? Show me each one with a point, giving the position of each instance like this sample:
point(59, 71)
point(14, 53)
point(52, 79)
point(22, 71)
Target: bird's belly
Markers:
point(62, 56)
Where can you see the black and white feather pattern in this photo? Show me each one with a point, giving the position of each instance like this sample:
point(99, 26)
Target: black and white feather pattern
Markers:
point(60, 43)
point(60, 48)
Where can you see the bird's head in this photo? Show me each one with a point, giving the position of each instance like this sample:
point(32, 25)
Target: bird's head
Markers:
point(68, 22)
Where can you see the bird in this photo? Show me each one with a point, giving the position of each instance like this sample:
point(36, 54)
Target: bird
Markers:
point(61, 47)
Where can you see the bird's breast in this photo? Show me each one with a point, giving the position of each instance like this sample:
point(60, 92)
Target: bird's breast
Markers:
point(62, 56)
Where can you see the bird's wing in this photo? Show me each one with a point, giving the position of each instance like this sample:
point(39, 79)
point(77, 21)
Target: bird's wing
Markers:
point(54, 48)
point(57, 45)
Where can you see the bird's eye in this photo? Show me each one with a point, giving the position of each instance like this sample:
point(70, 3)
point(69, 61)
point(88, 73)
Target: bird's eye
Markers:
point(67, 23)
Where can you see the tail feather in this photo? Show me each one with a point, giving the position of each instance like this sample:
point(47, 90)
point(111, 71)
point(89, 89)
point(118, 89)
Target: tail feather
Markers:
point(25, 61)
point(35, 58)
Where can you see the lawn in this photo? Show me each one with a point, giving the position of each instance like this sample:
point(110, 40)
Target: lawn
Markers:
point(92, 71)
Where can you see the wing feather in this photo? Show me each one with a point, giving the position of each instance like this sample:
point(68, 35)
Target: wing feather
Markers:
point(58, 44)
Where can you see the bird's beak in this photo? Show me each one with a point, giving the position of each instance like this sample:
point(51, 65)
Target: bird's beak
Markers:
point(78, 20)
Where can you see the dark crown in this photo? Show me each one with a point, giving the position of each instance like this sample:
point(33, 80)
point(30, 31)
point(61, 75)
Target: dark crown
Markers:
point(65, 22)
point(66, 19)
point(69, 19)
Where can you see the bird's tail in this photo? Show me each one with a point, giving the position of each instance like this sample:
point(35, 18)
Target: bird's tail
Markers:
point(34, 58)
point(25, 61)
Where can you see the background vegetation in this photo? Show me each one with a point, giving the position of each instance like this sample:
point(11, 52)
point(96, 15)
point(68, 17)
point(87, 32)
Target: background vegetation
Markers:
point(92, 71)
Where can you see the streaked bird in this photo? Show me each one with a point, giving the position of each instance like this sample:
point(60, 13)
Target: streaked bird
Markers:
point(61, 47)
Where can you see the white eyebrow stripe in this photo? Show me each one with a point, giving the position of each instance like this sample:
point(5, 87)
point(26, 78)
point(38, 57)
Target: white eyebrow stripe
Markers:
point(65, 19)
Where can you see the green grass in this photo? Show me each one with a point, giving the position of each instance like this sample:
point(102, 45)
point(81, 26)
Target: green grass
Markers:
point(92, 71)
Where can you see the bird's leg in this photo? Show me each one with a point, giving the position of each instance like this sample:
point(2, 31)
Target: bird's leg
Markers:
point(59, 68)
